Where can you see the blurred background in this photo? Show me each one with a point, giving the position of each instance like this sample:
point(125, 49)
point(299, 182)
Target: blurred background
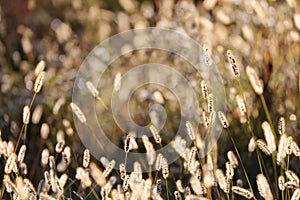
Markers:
point(262, 33)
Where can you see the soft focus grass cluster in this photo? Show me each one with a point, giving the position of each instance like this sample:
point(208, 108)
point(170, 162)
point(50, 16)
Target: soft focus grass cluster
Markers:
point(257, 157)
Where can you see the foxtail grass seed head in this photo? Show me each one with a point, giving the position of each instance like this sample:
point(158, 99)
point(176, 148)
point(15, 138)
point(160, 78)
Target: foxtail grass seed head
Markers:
point(45, 157)
point(289, 149)
point(229, 170)
point(21, 153)
point(269, 136)
point(158, 162)
point(117, 82)
point(122, 168)
point(92, 89)
point(263, 147)
point(158, 186)
point(232, 159)
point(127, 143)
point(295, 149)
point(45, 130)
point(210, 102)
point(212, 117)
point(26, 115)
point(190, 130)
point(241, 103)
point(39, 68)
point(255, 81)
point(206, 120)
point(39, 82)
point(97, 174)
point(221, 180)
point(296, 194)
point(177, 195)
point(281, 125)
point(281, 183)
point(264, 187)
point(204, 89)
point(251, 145)
point(223, 119)
point(233, 65)
point(179, 186)
point(86, 158)
point(77, 111)
point(206, 53)
point(52, 162)
point(59, 146)
point(165, 168)
point(292, 176)
point(282, 148)
point(242, 192)
point(10, 163)
point(109, 168)
point(155, 134)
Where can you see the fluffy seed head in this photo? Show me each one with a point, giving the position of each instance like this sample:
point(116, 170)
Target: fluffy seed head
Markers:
point(117, 82)
point(296, 194)
point(281, 183)
point(232, 62)
point(155, 134)
point(39, 82)
point(269, 136)
point(242, 192)
point(223, 119)
point(92, 89)
point(21, 154)
point(232, 159)
point(281, 125)
point(241, 103)
point(26, 115)
point(229, 171)
point(263, 147)
point(77, 111)
point(190, 130)
point(264, 187)
point(204, 89)
point(251, 145)
point(39, 67)
point(86, 158)
point(210, 102)
point(255, 81)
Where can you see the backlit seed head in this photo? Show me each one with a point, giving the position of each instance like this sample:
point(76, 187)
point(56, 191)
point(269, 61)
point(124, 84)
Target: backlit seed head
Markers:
point(92, 89)
point(251, 145)
point(232, 159)
point(229, 171)
point(26, 115)
point(296, 194)
point(241, 103)
point(21, 154)
point(263, 147)
point(269, 136)
point(242, 192)
point(86, 158)
point(39, 82)
point(255, 81)
point(39, 67)
point(77, 111)
point(204, 89)
point(155, 134)
point(263, 187)
point(210, 103)
point(233, 65)
point(281, 125)
point(190, 130)
point(223, 119)
point(281, 182)
point(117, 82)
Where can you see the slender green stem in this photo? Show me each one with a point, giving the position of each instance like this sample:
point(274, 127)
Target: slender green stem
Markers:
point(240, 159)
point(168, 190)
